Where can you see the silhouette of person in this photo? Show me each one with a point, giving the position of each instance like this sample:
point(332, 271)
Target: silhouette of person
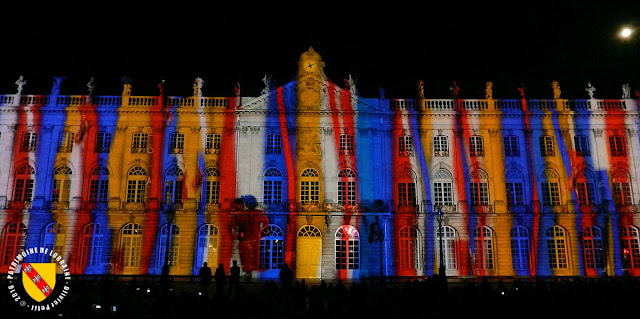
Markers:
point(234, 274)
point(286, 276)
point(205, 279)
point(221, 279)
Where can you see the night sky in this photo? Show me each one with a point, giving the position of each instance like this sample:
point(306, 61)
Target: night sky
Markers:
point(391, 44)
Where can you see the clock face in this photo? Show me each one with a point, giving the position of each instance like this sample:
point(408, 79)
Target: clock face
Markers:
point(309, 65)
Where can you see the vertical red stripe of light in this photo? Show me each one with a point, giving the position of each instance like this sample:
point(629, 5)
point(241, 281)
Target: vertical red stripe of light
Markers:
point(461, 180)
point(534, 190)
point(291, 178)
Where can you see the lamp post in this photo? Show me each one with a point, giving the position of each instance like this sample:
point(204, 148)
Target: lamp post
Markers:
point(441, 268)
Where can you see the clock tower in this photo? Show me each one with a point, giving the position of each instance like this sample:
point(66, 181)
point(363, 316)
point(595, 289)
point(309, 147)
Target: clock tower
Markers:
point(310, 77)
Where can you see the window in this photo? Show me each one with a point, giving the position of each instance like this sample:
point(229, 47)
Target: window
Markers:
point(483, 248)
point(514, 185)
point(347, 248)
point(212, 144)
point(103, 142)
point(54, 240)
point(520, 248)
point(347, 187)
point(479, 188)
point(557, 248)
point(630, 247)
point(211, 186)
point(136, 185)
point(139, 143)
point(14, 237)
point(593, 247)
point(476, 146)
point(99, 185)
point(582, 145)
point(551, 188)
point(585, 189)
point(207, 245)
point(131, 245)
point(346, 143)
point(616, 143)
point(405, 145)
point(23, 190)
point(547, 146)
point(450, 248)
point(310, 186)
point(271, 247)
point(409, 254)
point(441, 145)
point(164, 241)
point(176, 143)
point(442, 188)
point(274, 144)
point(621, 188)
point(272, 186)
point(511, 146)
point(91, 245)
point(65, 142)
point(29, 140)
point(406, 188)
point(61, 184)
point(173, 185)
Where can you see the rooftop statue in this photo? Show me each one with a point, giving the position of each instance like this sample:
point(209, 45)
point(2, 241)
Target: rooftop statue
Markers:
point(488, 92)
point(91, 85)
point(197, 87)
point(420, 89)
point(126, 91)
point(268, 84)
point(455, 89)
point(57, 82)
point(590, 89)
point(521, 91)
point(555, 85)
point(236, 89)
point(161, 87)
point(626, 91)
point(20, 82)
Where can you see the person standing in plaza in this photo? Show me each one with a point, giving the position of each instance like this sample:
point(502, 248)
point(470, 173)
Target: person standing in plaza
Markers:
point(221, 279)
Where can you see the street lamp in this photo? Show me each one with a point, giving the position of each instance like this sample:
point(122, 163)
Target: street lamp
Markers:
point(439, 216)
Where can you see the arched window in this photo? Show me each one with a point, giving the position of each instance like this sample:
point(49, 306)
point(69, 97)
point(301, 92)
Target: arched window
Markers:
point(173, 185)
point(207, 245)
point(211, 186)
point(347, 187)
point(136, 185)
point(272, 186)
point(557, 248)
point(410, 257)
point(630, 247)
point(164, 241)
point(54, 240)
point(442, 188)
point(310, 186)
point(23, 189)
point(14, 237)
point(91, 242)
point(585, 188)
point(131, 245)
point(449, 241)
point(550, 188)
point(347, 248)
point(99, 184)
point(479, 187)
point(271, 247)
point(514, 182)
point(593, 248)
point(483, 248)
point(520, 248)
point(61, 184)
point(621, 188)
point(406, 183)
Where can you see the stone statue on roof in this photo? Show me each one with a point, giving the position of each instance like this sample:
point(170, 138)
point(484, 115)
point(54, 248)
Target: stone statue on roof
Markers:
point(352, 85)
point(626, 91)
point(590, 89)
point(127, 85)
point(420, 89)
point(268, 84)
point(57, 82)
point(91, 85)
point(161, 87)
point(455, 89)
point(197, 87)
point(20, 82)
point(521, 91)
point(555, 85)
point(488, 90)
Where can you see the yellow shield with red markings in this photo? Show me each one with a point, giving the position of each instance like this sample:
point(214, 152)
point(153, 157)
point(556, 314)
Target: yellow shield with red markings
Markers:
point(39, 279)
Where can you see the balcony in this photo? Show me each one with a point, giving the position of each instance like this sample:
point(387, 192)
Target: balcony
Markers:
point(406, 153)
point(407, 208)
point(481, 209)
point(628, 208)
point(517, 209)
point(441, 153)
point(19, 204)
point(587, 209)
point(447, 209)
point(134, 206)
point(211, 207)
point(176, 151)
point(138, 150)
point(95, 205)
point(172, 206)
point(555, 209)
point(212, 151)
point(58, 205)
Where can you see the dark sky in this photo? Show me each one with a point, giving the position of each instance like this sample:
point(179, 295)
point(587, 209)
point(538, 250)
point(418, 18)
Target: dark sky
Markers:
point(391, 44)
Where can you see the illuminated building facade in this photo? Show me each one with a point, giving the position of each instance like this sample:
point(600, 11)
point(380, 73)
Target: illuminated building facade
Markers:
point(313, 175)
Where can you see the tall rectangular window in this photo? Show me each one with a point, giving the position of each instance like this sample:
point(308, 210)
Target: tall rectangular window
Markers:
point(547, 146)
point(272, 191)
point(405, 145)
point(103, 142)
point(309, 191)
point(515, 193)
point(212, 144)
point(586, 193)
point(407, 194)
point(139, 143)
point(550, 194)
point(61, 190)
point(479, 194)
point(212, 192)
point(29, 140)
point(442, 194)
point(98, 190)
point(616, 143)
point(274, 144)
point(440, 145)
point(476, 146)
point(511, 146)
point(173, 191)
point(136, 191)
point(65, 142)
point(346, 193)
point(582, 145)
point(346, 143)
point(622, 193)
point(23, 191)
point(176, 143)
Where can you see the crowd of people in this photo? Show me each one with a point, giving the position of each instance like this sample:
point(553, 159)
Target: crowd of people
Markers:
point(289, 298)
